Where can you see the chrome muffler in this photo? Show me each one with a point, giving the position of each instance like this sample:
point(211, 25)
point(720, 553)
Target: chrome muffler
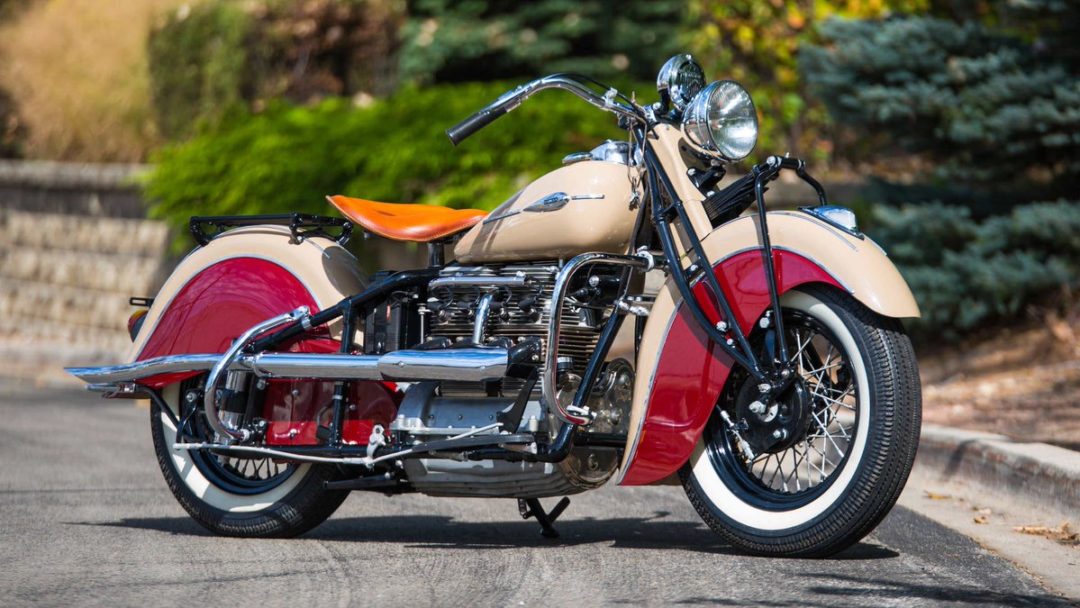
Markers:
point(471, 364)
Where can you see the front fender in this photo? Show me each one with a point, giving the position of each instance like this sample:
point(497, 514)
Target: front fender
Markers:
point(680, 372)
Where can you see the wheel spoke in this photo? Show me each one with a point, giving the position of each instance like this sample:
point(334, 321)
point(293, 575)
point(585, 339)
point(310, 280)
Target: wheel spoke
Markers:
point(828, 379)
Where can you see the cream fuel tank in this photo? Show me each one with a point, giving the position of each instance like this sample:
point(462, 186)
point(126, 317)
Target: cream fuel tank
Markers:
point(587, 205)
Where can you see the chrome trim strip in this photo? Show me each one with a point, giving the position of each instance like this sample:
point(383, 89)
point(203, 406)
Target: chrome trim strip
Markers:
point(551, 202)
point(494, 218)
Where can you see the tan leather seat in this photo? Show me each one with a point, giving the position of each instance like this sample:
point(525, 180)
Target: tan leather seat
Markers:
point(406, 222)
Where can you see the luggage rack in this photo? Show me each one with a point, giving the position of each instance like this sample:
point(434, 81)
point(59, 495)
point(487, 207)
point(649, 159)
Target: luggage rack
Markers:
point(302, 226)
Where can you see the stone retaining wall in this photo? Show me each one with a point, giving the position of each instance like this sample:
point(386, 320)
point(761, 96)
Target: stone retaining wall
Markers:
point(73, 248)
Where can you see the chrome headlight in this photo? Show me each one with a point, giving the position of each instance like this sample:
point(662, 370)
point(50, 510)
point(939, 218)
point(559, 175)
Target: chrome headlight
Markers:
point(721, 120)
point(679, 80)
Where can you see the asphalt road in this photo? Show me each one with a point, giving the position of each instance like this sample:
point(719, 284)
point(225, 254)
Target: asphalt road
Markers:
point(85, 519)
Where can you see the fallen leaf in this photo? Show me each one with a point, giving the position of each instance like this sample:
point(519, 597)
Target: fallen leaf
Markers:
point(1033, 530)
point(1063, 534)
point(980, 519)
point(935, 495)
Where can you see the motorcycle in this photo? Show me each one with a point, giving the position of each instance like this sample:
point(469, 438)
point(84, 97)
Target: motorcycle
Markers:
point(624, 317)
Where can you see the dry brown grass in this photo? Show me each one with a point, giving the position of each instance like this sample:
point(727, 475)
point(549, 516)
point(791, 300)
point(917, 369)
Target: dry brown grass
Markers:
point(77, 71)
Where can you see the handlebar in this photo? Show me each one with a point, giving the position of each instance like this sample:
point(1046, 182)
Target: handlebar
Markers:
point(512, 99)
point(770, 169)
point(459, 132)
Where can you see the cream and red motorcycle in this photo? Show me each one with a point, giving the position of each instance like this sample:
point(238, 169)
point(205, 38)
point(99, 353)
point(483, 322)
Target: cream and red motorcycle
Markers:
point(629, 315)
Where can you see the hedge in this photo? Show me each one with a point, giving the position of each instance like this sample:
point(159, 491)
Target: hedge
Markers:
point(289, 157)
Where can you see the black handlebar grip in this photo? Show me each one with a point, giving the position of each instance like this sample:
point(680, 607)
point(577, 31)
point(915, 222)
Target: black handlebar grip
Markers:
point(459, 132)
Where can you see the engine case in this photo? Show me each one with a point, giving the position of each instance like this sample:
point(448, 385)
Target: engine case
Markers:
point(425, 415)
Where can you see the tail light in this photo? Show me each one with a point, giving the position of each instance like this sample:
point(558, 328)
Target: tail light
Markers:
point(135, 322)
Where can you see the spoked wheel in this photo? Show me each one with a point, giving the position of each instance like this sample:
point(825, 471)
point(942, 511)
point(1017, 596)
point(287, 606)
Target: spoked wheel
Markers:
point(238, 496)
point(831, 454)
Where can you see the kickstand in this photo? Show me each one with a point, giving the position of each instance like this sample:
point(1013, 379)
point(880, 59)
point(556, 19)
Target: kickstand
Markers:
point(530, 507)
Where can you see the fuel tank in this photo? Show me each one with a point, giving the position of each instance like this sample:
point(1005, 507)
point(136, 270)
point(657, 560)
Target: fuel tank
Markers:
point(586, 206)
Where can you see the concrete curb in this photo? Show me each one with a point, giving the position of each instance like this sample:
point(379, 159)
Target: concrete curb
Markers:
point(1037, 472)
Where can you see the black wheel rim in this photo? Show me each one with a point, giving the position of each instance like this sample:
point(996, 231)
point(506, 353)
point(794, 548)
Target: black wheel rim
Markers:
point(796, 476)
point(236, 475)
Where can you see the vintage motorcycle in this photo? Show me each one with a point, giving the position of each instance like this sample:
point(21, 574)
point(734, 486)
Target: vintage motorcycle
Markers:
point(625, 316)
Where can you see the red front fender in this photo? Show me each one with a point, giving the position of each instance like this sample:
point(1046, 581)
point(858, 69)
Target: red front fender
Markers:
point(689, 370)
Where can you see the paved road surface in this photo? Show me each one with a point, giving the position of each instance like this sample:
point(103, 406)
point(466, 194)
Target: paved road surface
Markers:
point(85, 519)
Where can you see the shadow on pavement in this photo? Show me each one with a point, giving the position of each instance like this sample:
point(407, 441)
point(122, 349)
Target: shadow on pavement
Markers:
point(860, 589)
point(854, 587)
point(442, 532)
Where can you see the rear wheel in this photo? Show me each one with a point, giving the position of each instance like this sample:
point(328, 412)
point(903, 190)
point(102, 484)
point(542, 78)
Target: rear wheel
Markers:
point(247, 497)
point(830, 456)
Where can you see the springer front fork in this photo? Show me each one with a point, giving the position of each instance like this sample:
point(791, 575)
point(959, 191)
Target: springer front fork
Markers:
point(775, 372)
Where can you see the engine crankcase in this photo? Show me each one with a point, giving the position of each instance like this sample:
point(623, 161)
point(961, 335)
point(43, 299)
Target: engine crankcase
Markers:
point(425, 415)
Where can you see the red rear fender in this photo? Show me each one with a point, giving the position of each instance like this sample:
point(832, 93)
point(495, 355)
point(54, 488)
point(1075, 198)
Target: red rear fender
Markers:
point(247, 276)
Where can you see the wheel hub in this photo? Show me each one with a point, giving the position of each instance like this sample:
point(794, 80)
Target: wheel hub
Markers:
point(781, 423)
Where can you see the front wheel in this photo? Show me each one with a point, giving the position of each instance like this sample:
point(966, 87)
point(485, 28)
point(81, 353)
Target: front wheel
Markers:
point(232, 496)
point(831, 455)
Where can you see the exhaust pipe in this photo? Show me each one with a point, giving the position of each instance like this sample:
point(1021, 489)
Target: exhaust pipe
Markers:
point(474, 364)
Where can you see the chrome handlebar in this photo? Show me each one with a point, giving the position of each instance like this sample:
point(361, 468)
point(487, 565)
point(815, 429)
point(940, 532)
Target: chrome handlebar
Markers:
point(512, 99)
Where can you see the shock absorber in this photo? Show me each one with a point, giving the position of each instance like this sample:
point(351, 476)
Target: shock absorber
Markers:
point(233, 398)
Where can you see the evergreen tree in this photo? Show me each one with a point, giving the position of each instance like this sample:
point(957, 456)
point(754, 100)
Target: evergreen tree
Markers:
point(990, 106)
point(476, 40)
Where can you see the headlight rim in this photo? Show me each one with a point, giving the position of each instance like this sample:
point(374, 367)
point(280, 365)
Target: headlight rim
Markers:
point(696, 118)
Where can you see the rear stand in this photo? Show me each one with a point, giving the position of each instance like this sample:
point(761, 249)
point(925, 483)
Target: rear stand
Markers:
point(530, 507)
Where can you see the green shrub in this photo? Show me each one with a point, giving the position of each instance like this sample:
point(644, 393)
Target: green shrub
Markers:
point(197, 65)
point(967, 274)
point(288, 158)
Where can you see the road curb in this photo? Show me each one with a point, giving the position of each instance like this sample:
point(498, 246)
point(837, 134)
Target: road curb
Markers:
point(1036, 472)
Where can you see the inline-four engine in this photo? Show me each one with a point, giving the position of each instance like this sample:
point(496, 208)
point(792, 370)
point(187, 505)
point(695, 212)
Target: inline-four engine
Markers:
point(506, 306)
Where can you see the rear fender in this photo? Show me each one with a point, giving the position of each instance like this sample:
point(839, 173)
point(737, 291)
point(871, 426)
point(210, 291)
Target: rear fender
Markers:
point(246, 276)
point(680, 372)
